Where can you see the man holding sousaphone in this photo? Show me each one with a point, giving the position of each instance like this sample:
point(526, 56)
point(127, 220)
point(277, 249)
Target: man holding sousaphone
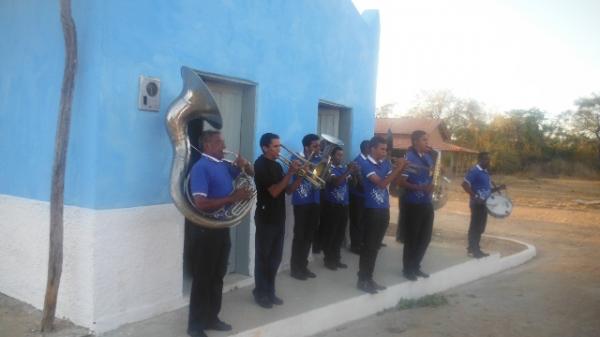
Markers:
point(211, 185)
point(478, 185)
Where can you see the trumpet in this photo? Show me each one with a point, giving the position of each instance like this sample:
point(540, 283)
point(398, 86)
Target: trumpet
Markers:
point(308, 174)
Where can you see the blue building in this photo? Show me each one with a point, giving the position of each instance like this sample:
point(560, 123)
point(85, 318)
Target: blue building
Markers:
point(288, 67)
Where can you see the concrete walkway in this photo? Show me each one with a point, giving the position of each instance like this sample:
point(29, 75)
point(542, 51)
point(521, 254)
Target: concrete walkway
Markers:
point(332, 299)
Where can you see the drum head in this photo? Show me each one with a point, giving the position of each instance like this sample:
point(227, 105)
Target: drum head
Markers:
point(498, 205)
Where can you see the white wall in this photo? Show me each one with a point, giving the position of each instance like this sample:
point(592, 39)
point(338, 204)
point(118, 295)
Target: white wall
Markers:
point(119, 265)
point(24, 231)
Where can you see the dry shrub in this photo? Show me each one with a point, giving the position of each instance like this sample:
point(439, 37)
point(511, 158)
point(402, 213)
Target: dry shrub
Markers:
point(560, 168)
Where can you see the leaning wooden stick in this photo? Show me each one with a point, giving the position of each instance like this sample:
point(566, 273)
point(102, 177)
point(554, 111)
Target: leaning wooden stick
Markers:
point(58, 168)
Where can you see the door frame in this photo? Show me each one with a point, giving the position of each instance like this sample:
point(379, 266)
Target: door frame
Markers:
point(344, 125)
point(247, 139)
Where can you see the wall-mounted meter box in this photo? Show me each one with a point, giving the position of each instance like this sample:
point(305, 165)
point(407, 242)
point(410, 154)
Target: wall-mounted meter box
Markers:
point(149, 94)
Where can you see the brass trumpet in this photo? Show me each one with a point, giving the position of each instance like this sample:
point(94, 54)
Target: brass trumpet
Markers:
point(308, 174)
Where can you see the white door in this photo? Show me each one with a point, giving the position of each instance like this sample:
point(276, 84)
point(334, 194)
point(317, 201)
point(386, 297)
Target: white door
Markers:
point(329, 121)
point(229, 101)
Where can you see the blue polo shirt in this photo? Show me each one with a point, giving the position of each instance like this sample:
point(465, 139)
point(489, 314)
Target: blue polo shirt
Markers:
point(212, 178)
point(306, 193)
point(422, 176)
point(358, 190)
point(337, 194)
point(376, 197)
point(480, 182)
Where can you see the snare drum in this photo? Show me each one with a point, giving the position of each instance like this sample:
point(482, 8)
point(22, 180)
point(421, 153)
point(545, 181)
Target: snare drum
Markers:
point(498, 205)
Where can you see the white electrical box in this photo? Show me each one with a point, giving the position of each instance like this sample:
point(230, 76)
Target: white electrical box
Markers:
point(149, 94)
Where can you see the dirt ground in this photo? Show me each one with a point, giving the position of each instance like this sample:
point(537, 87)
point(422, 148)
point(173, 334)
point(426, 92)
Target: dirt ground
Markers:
point(556, 294)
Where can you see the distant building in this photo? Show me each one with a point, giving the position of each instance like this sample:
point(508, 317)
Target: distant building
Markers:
point(456, 158)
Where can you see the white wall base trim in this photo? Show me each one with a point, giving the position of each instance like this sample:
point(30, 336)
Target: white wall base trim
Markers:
point(119, 265)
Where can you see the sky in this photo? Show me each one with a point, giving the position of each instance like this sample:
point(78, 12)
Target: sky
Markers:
point(507, 54)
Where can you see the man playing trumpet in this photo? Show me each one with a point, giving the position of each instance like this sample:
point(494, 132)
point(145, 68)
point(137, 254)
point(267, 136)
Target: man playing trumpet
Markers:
point(269, 218)
point(306, 201)
point(377, 175)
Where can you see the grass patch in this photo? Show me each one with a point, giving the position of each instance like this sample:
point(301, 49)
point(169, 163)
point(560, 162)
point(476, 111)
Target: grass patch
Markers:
point(433, 301)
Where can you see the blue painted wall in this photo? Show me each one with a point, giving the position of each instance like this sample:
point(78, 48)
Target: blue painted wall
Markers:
point(297, 51)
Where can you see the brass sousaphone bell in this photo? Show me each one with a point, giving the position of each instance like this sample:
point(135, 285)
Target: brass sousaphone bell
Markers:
point(196, 103)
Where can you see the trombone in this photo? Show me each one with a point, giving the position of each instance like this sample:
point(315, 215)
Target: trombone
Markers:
point(308, 174)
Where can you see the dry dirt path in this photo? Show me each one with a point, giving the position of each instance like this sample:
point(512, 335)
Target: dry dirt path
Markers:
point(556, 294)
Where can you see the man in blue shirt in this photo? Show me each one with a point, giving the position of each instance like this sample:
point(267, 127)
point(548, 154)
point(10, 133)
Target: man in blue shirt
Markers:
point(306, 200)
point(211, 184)
point(357, 202)
point(335, 209)
point(478, 185)
point(377, 175)
point(417, 207)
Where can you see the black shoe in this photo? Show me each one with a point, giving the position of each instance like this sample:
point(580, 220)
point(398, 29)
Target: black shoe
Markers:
point(366, 286)
point(409, 275)
point(382, 245)
point(355, 250)
point(309, 273)
point(331, 266)
point(196, 333)
point(479, 254)
point(276, 300)
point(341, 265)
point(219, 325)
point(421, 273)
point(298, 275)
point(264, 302)
point(376, 285)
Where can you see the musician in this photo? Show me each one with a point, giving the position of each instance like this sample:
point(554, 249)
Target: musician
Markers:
point(478, 185)
point(269, 218)
point(211, 181)
point(335, 209)
point(357, 202)
point(377, 175)
point(306, 200)
point(417, 206)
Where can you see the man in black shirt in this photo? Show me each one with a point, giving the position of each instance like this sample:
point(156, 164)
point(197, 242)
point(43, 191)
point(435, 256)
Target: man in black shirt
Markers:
point(269, 218)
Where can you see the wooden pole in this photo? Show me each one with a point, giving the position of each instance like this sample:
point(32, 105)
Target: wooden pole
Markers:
point(61, 143)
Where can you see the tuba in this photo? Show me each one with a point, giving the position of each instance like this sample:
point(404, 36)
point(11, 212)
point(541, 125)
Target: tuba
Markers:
point(196, 104)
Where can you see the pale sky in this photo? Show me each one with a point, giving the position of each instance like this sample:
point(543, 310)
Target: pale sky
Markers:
point(507, 54)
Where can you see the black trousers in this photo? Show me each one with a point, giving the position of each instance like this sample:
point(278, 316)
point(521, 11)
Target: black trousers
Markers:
point(400, 230)
point(477, 225)
point(306, 221)
point(417, 234)
point(376, 222)
point(357, 210)
point(320, 239)
point(210, 254)
point(268, 248)
point(333, 226)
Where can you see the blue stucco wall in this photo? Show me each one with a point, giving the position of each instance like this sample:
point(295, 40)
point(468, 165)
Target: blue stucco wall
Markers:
point(296, 51)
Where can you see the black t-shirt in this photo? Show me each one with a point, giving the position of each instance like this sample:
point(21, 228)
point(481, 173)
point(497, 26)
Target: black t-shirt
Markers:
point(269, 210)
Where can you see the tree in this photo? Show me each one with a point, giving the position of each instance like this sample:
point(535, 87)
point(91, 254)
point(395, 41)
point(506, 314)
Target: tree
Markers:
point(586, 120)
point(385, 111)
point(464, 119)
